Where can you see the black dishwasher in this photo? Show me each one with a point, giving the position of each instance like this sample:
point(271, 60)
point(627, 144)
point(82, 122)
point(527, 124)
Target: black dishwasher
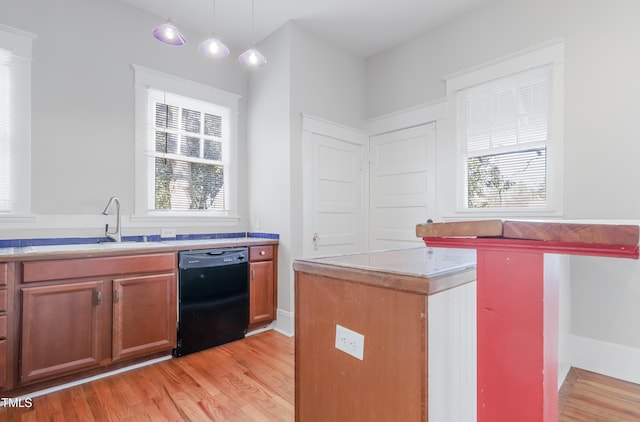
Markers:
point(213, 298)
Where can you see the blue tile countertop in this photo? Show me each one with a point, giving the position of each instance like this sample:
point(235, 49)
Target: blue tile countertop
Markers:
point(17, 249)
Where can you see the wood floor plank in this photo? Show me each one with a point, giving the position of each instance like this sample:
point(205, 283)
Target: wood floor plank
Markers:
point(590, 397)
point(252, 380)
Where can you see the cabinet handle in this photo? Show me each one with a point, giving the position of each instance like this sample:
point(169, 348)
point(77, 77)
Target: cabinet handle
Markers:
point(263, 253)
point(116, 296)
point(253, 274)
point(99, 298)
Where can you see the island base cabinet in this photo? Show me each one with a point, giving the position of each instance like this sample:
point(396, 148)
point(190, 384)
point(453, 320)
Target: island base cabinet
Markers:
point(61, 329)
point(389, 383)
point(142, 315)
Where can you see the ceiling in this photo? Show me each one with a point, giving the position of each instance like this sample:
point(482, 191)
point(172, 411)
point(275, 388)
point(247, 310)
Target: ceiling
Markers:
point(364, 27)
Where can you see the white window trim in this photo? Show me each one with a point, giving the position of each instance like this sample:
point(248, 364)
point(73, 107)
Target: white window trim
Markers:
point(548, 53)
point(146, 78)
point(20, 44)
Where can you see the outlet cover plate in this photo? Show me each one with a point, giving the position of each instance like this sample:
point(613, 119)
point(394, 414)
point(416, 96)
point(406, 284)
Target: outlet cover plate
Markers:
point(350, 342)
point(167, 233)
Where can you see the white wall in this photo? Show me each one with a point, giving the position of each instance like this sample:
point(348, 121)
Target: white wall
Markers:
point(326, 82)
point(304, 74)
point(601, 127)
point(269, 161)
point(83, 107)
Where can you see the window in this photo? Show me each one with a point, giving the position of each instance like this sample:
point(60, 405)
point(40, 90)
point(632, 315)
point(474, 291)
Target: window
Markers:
point(503, 128)
point(15, 123)
point(186, 148)
point(189, 152)
point(5, 132)
point(507, 120)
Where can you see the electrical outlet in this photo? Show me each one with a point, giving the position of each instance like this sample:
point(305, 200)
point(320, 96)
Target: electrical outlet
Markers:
point(350, 342)
point(167, 232)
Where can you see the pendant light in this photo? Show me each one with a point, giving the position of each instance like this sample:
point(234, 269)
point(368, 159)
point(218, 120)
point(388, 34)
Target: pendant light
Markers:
point(252, 57)
point(213, 47)
point(168, 33)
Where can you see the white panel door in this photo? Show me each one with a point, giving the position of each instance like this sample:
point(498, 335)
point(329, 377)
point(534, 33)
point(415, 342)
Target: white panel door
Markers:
point(402, 191)
point(334, 189)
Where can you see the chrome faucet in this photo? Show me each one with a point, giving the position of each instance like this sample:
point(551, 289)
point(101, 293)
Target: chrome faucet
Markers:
point(115, 235)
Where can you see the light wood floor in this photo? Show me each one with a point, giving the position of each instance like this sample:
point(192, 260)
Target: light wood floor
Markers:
point(589, 397)
point(248, 380)
point(253, 380)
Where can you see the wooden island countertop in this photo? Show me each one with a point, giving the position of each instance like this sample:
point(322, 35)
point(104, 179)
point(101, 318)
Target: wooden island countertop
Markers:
point(555, 237)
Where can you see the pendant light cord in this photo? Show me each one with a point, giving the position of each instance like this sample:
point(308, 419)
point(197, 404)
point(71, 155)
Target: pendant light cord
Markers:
point(253, 22)
point(213, 30)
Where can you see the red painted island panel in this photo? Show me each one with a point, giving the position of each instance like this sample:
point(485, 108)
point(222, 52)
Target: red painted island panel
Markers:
point(517, 306)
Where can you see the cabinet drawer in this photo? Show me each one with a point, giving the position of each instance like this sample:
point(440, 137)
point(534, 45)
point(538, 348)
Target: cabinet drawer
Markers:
point(3, 327)
point(260, 253)
point(96, 267)
point(3, 300)
point(4, 274)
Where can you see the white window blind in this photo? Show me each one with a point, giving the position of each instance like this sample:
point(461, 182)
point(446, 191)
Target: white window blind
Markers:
point(188, 148)
point(503, 127)
point(5, 131)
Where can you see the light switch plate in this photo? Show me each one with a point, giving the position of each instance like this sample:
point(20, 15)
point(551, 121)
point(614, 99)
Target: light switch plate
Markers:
point(350, 342)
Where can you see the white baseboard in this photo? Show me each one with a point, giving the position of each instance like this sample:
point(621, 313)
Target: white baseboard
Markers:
point(285, 323)
point(614, 360)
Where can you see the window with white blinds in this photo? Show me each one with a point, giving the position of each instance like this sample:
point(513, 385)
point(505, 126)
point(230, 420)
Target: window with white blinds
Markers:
point(5, 131)
point(186, 155)
point(15, 124)
point(503, 128)
point(188, 147)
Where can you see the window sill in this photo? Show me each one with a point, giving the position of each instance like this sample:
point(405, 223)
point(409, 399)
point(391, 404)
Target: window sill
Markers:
point(503, 213)
point(187, 218)
point(17, 218)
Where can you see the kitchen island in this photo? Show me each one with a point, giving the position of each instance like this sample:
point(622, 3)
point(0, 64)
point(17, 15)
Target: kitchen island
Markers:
point(375, 307)
point(518, 280)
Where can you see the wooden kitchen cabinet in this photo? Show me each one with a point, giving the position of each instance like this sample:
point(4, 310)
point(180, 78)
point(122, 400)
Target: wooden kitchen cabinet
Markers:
point(84, 313)
point(262, 285)
point(4, 307)
point(61, 329)
point(144, 310)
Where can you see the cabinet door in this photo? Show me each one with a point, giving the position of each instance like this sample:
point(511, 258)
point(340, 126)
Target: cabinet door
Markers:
point(144, 315)
point(61, 329)
point(261, 293)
